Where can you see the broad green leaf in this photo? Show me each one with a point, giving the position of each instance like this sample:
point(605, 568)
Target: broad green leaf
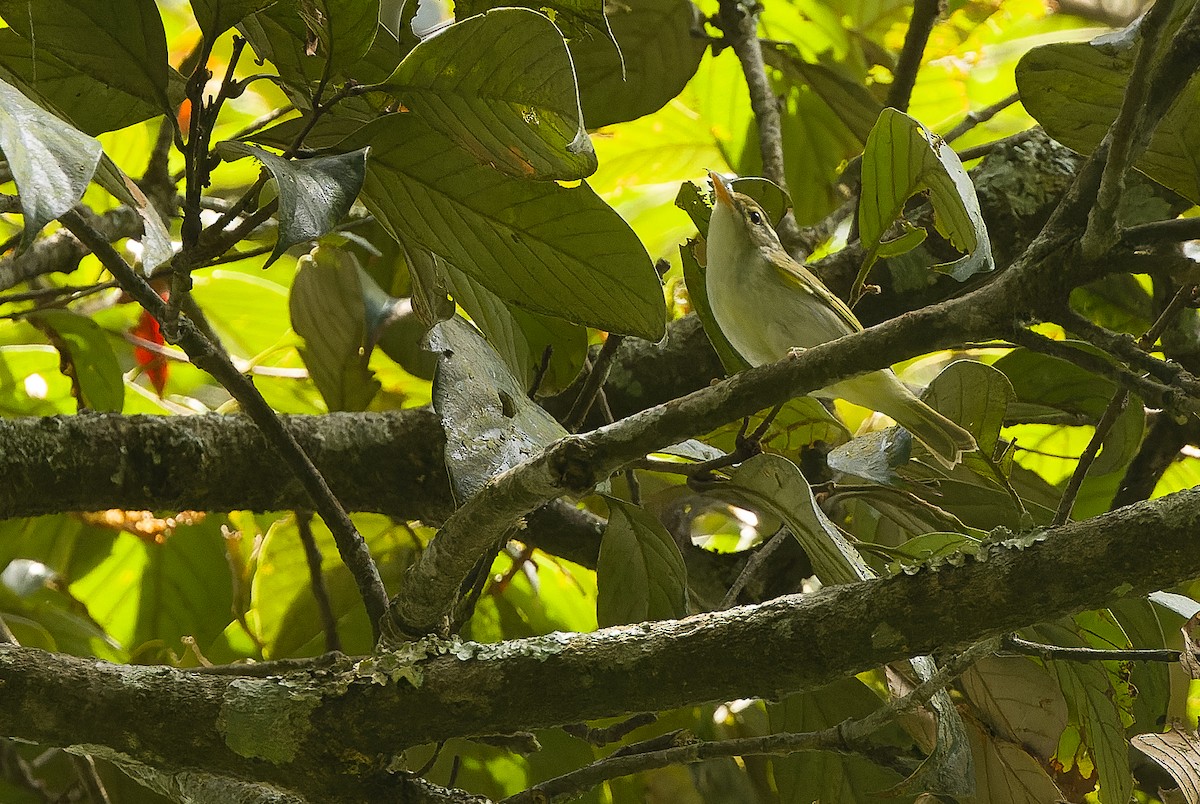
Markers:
point(344, 29)
point(51, 162)
point(850, 101)
point(975, 396)
point(314, 194)
point(30, 382)
point(215, 17)
point(931, 547)
point(501, 86)
point(577, 19)
point(120, 42)
point(1139, 621)
point(1090, 696)
point(659, 53)
point(809, 776)
point(521, 338)
point(640, 574)
point(902, 158)
point(51, 620)
point(1046, 385)
point(553, 250)
point(773, 485)
point(1005, 771)
point(1019, 700)
point(87, 102)
point(490, 424)
point(157, 248)
point(86, 357)
point(693, 277)
point(1074, 90)
point(328, 312)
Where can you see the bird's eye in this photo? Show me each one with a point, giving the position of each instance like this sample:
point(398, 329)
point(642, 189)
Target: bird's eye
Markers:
point(755, 218)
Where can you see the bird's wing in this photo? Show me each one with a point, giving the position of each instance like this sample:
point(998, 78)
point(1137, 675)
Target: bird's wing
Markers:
point(806, 281)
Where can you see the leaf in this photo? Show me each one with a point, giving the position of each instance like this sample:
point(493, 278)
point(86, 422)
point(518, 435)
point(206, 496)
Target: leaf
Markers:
point(1178, 752)
point(85, 357)
point(1075, 89)
point(314, 194)
point(773, 485)
point(577, 19)
point(80, 98)
point(659, 53)
point(51, 162)
point(902, 158)
point(522, 338)
point(121, 42)
point(157, 248)
point(850, 101)
point(344, 29)
point(490, 424)
point(1019, 700)
point(553, 250)
point(874, 456)
point(1006, 772)
point(640, 574)
point(327, 310)
point(1089, 693)
point(501, 86)
point(975, 396)
point(215, 17)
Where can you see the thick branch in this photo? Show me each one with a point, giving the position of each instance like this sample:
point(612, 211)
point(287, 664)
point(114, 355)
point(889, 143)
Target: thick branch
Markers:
point(312, 721)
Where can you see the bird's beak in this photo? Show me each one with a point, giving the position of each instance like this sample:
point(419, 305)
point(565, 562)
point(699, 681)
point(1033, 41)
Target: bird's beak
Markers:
point(721, 189)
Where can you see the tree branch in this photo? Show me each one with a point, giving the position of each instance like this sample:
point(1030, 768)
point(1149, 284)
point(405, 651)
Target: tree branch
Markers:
point(924, 16)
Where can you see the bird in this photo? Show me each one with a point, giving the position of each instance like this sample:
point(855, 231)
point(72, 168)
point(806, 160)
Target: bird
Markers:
point(767, 304)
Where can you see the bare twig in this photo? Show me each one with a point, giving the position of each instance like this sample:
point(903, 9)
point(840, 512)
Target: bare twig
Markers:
point(204, 354)
point(983, 115)
point(611, 734)
point(1111, 413)
point(756, 562)
point(316, 579)
point(925, 14)
point(594, 383)
point(1024, 647)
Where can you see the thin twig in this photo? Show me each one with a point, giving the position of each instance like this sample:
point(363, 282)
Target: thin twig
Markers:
point(757, 561)
point(610, 734)
point(1111, 413)
point(904, 77)
point(316, 579)
point(975, 118)
point(1024, 647)
point(594, 382)
point(205, 355)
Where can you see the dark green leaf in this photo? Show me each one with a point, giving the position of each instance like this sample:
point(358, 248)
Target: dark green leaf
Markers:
point(119, 42)
point(849, 100)
point(659, 54)
point(490, 424)
point(501, 86)
point(215, 17)
point(521, 338)
point(51, 162)
point(640, 574)
point(88, 103)
point(157, 248)
point(554, 250)
point(327, 310)
point(902, 158)
point(86, 357)
point(314, 194)
point(577, 19)
point(344, 29)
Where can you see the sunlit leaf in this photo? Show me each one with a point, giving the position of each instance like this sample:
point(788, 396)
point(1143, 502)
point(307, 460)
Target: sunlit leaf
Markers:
point(86, 357)
point(640, 573)
point(314, 194)
point(51, 161)
point(215, 17)
point(344, 29)
point(554, 250)
point(501, 86)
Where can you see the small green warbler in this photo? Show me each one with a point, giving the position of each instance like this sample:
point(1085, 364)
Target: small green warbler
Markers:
point(767, 304)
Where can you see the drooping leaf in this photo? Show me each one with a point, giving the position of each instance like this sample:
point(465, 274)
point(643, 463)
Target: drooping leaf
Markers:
point(501, 86)
point(659, 53)
point(327, 309)
point(51, 162)
point(157, 248)
point(1178, 752)
point(554, 250)
point(490, 424)
point(902, 158)
point(215, 17)
point(521, 338)
point(314, 194)
point(86, 357)
point(640, 574)
point(120, 42)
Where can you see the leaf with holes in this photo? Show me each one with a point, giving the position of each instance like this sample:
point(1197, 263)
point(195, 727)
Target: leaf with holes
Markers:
point(502, 87)
point(314, 194)
point(51, 162)
point(490, 424)
point(640, 574)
